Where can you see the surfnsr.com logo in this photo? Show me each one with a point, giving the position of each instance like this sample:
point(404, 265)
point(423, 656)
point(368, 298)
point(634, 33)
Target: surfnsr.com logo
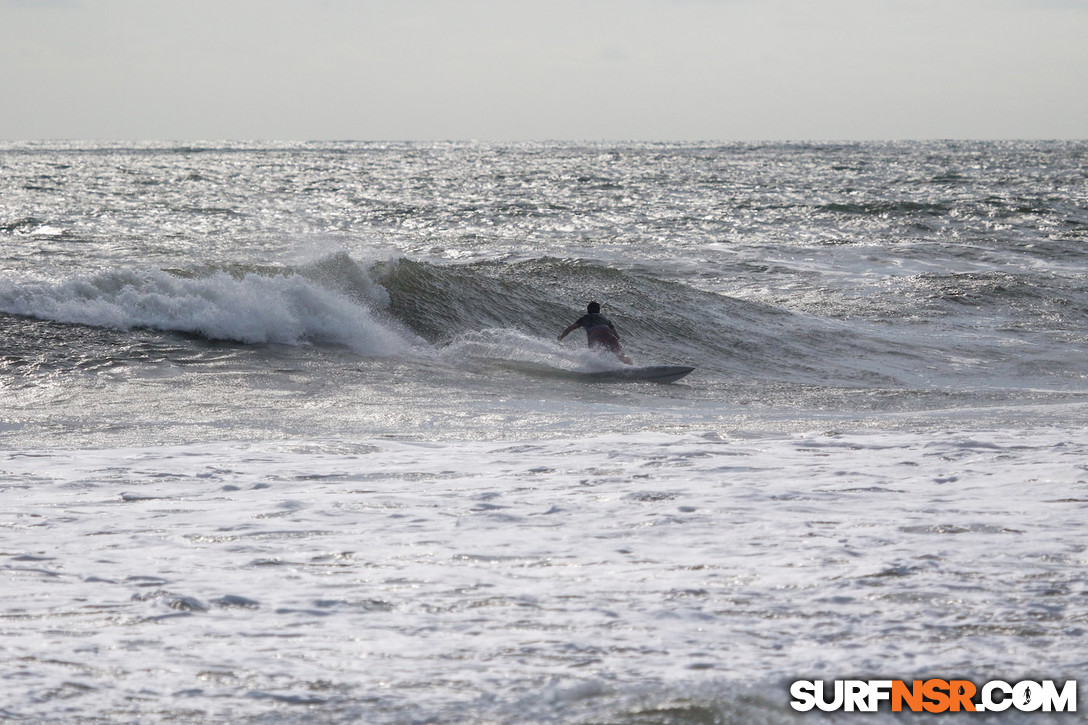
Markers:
point(934, 696)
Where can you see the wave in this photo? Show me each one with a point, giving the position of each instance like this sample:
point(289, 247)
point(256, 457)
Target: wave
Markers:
point(500, 311)
point(254, 307)
point(660, 321)
point(740, 341)
point(506, 315)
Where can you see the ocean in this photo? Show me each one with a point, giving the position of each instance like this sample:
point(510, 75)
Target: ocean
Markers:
point(286, 434)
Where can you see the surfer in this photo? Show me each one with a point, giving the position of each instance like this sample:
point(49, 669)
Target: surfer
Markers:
point(600, 332)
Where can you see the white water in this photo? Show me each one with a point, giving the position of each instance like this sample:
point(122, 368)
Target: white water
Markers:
point(562, 581)
point(257, 309)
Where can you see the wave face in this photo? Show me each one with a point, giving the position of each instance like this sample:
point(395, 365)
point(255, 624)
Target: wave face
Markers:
point(657, 319)
point(668, 320)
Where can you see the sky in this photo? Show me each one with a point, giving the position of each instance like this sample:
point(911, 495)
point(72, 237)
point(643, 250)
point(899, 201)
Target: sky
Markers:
point(525, 70)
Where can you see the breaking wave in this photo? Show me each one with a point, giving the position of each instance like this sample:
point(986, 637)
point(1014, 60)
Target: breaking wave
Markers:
point(254, 307)
point(510, 312)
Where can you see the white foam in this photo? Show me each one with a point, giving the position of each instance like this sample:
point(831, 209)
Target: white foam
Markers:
point(475, 580)
point(288, 309)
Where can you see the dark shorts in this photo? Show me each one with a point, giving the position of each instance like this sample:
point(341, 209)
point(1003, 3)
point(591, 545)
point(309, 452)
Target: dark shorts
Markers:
point(603, 337)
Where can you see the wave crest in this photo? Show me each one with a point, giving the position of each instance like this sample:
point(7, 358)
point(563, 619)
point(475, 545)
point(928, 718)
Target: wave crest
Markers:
point(250, 307)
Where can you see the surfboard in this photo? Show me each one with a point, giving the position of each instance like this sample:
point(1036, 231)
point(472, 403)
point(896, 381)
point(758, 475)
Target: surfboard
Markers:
point(636, 374)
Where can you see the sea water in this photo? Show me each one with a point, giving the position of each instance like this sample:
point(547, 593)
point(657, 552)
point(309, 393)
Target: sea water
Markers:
point(286, 434)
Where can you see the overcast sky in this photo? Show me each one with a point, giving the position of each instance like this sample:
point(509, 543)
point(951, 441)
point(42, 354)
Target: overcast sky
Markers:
point(508, 70)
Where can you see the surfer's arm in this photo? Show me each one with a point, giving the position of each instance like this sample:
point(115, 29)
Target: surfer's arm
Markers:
point(574, 326)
